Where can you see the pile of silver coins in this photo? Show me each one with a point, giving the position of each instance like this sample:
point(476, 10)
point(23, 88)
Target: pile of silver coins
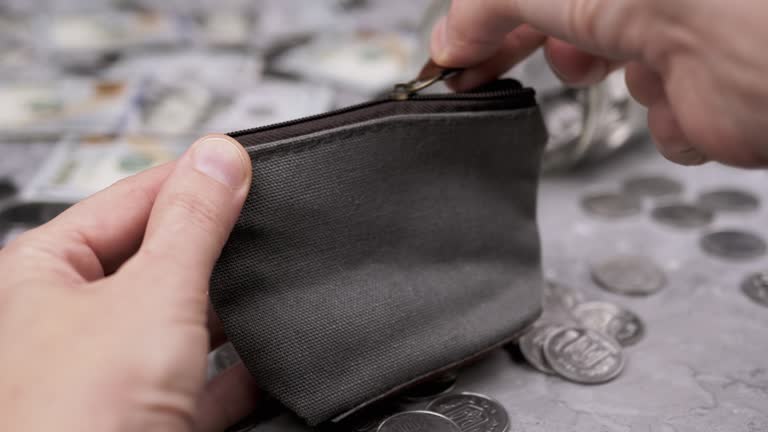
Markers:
point(669, 208)
point(446, 412)
point(583, 341)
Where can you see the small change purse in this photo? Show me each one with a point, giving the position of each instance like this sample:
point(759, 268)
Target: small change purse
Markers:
point(382, 244)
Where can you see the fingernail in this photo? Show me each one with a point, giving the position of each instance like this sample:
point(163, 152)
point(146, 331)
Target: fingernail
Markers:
point(221, 160)
point(440, 41)
point(685, 155)
point(595, 73)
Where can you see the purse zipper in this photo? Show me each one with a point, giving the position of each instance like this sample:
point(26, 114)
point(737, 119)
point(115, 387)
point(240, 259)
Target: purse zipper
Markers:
point(409, 92)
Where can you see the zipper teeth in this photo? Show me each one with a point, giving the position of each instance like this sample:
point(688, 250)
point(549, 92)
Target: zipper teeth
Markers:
point(418, 97)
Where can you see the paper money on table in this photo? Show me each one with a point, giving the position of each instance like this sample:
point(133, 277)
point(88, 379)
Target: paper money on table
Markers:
point(271, 101)
point(111, 31)
point(79, 167)
point(366, 61)
point(65, 105)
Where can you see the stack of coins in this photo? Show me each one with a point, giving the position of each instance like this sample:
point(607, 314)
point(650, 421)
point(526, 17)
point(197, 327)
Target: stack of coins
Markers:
point(584, 341)
point(430, 407)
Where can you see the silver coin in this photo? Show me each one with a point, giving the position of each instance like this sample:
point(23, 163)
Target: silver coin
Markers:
point(755, 286)
point(430, 389)
point(735, 200)
point(472, 412)
point(418, 421)
point(652, 186)
point(557, 295)
point(532, 345)
point(368, 419)
point(611, 205)
point(584, 356)
point(683, 215)
point(733, 244)
point(630, 275)
point(612, 320)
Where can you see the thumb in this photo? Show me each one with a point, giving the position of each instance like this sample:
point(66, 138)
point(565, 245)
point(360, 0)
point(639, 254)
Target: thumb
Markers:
point(193, 215)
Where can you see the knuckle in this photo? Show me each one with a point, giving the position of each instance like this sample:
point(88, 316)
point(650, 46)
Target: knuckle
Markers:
point(608, 25)
point(197, 210)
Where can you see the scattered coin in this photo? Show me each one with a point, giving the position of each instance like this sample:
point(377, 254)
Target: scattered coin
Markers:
point(611, 320)
point(418, 421)
point(560, 296)
point(611, 205)
point(428, 390)
point(532, 345)
point(755, 286)
point(683, 215)
point(472, 412)
point(584, 356)
point(652, 186)
point(367, 420)
point(734, 200)
point(630, 275)
point(733, 244)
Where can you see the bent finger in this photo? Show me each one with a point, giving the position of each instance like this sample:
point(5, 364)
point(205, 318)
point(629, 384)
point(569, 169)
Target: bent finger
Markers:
point(576, 67)
point(669, 137)
point(517, 46)
point(95, 236)
point(644, 84)
point(474, 30)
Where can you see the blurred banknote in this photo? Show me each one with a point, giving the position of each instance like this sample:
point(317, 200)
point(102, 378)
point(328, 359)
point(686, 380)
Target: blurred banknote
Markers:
point(78, 167)
point(66, 105)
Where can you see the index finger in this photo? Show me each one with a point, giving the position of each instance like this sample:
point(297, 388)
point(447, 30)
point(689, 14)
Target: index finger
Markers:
point(474, 30)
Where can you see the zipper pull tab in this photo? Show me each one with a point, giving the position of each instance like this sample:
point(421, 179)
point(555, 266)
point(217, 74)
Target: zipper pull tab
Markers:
point(404, 91)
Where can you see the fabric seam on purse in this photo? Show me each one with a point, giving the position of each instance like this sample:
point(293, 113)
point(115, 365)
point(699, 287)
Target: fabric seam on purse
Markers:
point(307, 143)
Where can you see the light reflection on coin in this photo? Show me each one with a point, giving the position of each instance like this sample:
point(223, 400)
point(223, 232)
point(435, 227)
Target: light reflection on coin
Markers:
point(611, 205)
point(418, 421)
point(611, 320)
point(734, 200)
point(472, 412)
point(652, 186)
point(733, 244)
point(368, 419)
point(557, 295)
point(428, 390)
point(584, 356)
point(683, 215)
point(532, 345)
point(755, 286)
point(631, 275)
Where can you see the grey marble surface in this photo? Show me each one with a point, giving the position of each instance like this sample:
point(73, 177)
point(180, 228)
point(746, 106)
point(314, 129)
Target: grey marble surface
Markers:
point(703, 365)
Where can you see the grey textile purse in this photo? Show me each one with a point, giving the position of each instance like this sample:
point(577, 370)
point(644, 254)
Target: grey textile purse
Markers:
point(383, 244)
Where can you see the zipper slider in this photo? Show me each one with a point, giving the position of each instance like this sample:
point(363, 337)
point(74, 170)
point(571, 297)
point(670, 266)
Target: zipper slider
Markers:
point(404, 91)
